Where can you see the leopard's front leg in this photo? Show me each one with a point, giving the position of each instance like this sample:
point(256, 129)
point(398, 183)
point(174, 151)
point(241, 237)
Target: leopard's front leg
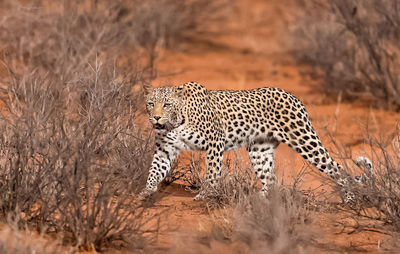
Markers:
point(214, 158)
point(164, 155)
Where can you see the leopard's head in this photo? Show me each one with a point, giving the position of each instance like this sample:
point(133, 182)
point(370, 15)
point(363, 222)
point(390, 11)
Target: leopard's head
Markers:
point(165, 107)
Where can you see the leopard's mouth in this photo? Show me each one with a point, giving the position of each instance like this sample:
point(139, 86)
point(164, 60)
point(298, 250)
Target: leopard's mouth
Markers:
point(159, 126)
point(166, 126)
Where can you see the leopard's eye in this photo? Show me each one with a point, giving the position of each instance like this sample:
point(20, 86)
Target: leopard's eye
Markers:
point(150, 104)
point(167, 105)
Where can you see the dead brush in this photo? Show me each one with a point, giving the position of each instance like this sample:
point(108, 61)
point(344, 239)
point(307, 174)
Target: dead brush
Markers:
point(63, 38)
point(236, 182)
point(72, 157)
point(353, 47)
point(168, 23)
point(281, 222)
point(76, 175)
point(376, 205)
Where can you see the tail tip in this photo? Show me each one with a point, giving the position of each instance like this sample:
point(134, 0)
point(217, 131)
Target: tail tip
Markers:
point(364, 163)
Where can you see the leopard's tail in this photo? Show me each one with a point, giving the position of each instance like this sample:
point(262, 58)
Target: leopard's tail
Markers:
point(363, 163)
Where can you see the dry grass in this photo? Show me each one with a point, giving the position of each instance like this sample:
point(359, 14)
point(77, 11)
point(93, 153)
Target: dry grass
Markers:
point(14, 241)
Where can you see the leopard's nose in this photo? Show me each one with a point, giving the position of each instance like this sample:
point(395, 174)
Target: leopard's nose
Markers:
point(157, 118)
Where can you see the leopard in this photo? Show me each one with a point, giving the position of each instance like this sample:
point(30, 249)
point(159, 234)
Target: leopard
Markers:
point(191, 117)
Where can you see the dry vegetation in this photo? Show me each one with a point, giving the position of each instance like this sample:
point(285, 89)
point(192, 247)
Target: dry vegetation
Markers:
point(282, 222)
point(377, 208)
point(72, 156)
point(287, 219)
point(62, 170)
point(236, 183)
point(354, 47)
point(243, 219)
point(14, 241)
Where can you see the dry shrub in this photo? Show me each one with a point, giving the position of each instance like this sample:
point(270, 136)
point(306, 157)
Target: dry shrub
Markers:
point(354, 45)
point(72, 157)
point(282, 222)
point(168, 22)
point(378, 197)
point(376, 206)
point(63, 41)
point(63, 38)
point(74, 170)
point(231, 187)
point(190, 171)
point(236, 182)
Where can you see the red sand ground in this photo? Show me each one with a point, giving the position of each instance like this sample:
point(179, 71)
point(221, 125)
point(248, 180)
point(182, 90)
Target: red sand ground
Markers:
point(248, 54)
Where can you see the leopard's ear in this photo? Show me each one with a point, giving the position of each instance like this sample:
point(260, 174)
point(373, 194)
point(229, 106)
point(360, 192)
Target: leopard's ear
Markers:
point(180, 90)
point(147, 89)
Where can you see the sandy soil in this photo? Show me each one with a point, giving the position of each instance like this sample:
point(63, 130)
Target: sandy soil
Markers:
point(249, 53)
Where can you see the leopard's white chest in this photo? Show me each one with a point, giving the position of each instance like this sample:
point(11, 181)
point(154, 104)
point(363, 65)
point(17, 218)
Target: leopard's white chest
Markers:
point(184, 138)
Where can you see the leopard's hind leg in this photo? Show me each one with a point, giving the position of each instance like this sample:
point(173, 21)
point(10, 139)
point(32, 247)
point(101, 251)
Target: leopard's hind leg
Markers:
point(261, 153)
